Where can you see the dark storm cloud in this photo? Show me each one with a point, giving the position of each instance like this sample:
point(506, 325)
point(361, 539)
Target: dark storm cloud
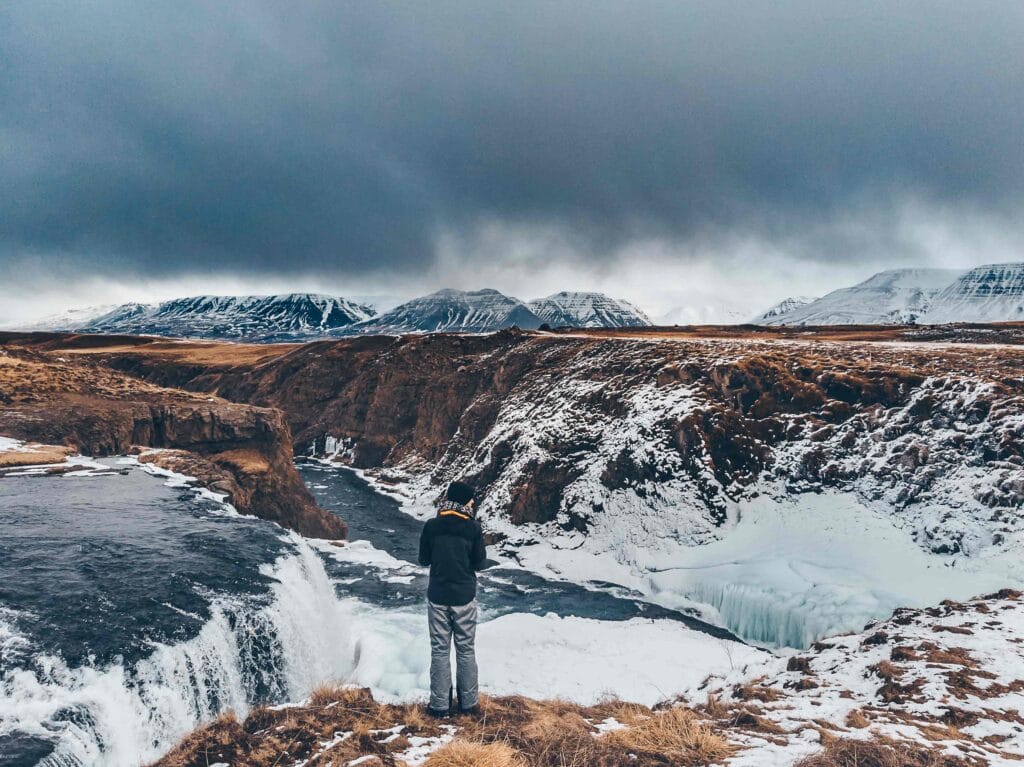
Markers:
point(343, 137)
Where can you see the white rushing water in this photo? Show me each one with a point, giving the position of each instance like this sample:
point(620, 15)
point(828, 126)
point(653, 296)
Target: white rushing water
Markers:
point(116, 716)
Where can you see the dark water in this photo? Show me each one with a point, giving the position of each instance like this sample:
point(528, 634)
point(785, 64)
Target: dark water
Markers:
point(131, 610)
point(97, 567)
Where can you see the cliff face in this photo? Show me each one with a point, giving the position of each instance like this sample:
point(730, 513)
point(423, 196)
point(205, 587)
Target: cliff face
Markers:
point(241, 450)
point(586, 431)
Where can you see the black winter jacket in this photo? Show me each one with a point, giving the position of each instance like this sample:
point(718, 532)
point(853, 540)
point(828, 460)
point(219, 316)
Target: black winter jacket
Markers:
point(452, 544)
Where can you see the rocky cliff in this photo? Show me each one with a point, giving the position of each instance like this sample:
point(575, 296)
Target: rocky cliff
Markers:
point(240, 450)
point(582, 431)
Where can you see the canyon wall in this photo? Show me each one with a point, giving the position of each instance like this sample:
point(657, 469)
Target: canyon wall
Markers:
point(579, 431)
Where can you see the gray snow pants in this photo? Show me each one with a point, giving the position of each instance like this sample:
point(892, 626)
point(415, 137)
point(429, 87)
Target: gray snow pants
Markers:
point(444, 622)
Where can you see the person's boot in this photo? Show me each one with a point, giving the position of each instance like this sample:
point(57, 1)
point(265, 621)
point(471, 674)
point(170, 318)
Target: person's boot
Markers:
point(471, 711)
point(441, 713)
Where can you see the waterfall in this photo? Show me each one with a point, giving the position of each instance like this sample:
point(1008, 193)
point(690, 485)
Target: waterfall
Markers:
point(273, 647)
point(761, 615)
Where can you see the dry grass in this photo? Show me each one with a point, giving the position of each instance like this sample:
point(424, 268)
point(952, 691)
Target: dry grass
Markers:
point(676, 734)
point(857, 719)
point(903, 655)
point(511, 731)
point(544, 733)
point(846, 752)
point(951, 656)
point(465, 753)
point(205, 744)
point(887, 670)
point(339, 724)
point(745, 719)
point(35, 455)
point(755, 690)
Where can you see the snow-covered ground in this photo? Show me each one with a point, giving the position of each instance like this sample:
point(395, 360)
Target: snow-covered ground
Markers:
point(547, 656)
point(950, 676)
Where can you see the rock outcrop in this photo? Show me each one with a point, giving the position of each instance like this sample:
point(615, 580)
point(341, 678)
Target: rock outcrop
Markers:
point(237, 449)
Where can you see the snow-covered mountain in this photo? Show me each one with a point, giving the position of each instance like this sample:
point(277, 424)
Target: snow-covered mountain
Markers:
point(785, 306)
point(991, 293)
point(894, 296)
point(291, 316)
point(587, 310)
point(466, 311)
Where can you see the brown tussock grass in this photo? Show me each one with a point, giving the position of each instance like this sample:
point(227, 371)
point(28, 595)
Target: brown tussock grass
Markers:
point(677, 734)
point(847, 752)
point(515, 731)
point(555, 732)
point(755, 690)
point(903, 654)
point(330, 693)
point(221, 732)
point(952, 656)
point(466, 753)
point(746, 719)
point(619, 710)
point(857, 719)
point(715, 707)
point(887, 670)
point(953, 629)
point(35, 455)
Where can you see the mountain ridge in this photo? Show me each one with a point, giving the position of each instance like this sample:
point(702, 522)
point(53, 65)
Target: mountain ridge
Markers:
point(893, 296)
point(277, 317)
point(587, 309)
point(450, 310)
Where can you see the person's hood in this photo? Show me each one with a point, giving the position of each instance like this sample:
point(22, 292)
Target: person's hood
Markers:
point(453, 509)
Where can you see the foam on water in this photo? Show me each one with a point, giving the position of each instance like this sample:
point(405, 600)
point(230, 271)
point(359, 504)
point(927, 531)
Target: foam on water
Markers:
point(247, 651)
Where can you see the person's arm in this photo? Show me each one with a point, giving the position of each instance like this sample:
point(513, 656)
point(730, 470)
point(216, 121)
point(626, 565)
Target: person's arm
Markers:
point(425, 547)
point(479, 555)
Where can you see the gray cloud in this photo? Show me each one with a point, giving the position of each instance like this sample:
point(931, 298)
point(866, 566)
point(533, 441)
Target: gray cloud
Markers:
point(342, 138)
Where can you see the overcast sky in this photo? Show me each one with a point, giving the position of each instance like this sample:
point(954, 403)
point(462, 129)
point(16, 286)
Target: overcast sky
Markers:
point(708, 154)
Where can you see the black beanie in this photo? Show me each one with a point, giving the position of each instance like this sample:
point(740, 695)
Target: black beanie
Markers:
point(460, 492)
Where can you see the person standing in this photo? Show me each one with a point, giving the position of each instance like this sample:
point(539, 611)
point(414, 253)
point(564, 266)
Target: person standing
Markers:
point(452, 545)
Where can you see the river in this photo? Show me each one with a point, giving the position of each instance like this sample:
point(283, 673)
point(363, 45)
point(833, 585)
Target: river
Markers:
point(132, 608)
